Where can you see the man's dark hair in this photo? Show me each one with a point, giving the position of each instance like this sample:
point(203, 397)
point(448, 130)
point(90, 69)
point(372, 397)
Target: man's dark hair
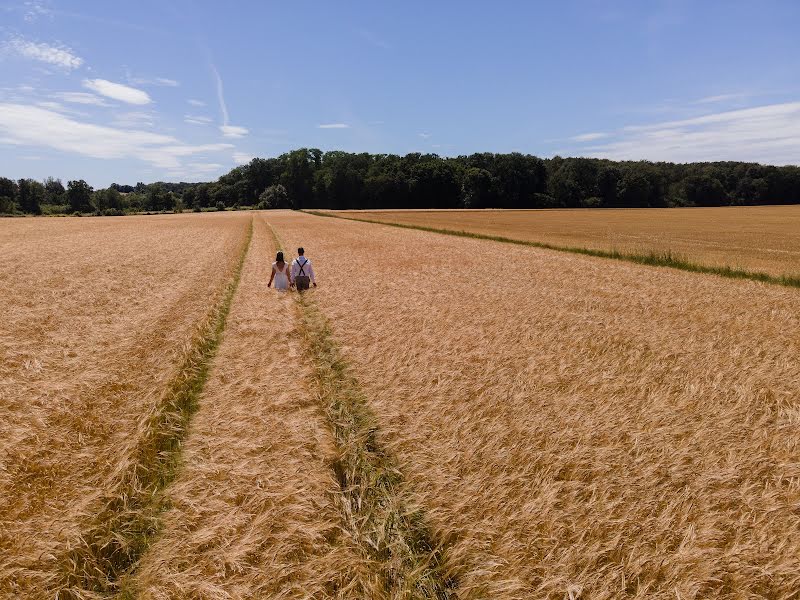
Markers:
point(300, 251)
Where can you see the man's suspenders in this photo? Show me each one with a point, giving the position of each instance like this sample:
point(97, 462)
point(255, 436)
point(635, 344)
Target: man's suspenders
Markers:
point(302, 273)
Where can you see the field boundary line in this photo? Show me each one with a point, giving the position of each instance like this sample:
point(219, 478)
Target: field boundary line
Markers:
point(121, 531)
point(389, 530)
point(653, 259)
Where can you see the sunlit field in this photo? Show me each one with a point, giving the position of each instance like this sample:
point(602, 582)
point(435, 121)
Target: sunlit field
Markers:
point(443, 417)
point(97, 315)
point(756, 238)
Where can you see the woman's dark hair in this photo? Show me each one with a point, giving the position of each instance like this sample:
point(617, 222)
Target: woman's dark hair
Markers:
point(279, 257)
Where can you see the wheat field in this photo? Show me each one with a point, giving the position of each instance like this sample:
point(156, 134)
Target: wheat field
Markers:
point(97, 313)
point(443, 417)
point(253, 513)
point(574, 426)
point(754, 238)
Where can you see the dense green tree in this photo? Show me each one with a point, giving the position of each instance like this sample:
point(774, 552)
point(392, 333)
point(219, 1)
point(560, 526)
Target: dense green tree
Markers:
point(274, 196)
point(704, 190)
point(476, 189)
point(30, 195)
point(54, 191)
point(157, 198)
point(633, 189)
point(8, 195)
point(79, 196)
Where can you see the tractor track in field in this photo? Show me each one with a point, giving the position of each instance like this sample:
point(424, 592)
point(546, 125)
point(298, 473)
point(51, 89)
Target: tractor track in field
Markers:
point(390, 531)
point(120, 531)
point(653, 258)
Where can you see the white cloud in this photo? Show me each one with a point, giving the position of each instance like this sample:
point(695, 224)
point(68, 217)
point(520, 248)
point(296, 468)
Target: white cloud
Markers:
point(241, 158)
point(35, 9)
point(53, 55)
point(768, 134)
point(162, 81)
point(80, 98)
point(134, 119)
point(196, 119)
point(52, 105)
point(334, 126)
point(588, 137)
point(204, 166)
point(424, 136)
point(228, 130)
point(117, 91)
point(233, 131)
point(194, 102)
point(720, 98)
point(39, 127)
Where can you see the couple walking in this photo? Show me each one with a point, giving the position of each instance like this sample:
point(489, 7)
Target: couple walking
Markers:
point(300, 274)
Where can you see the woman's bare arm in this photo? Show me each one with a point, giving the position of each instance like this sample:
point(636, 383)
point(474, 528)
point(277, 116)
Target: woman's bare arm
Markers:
point(271, 277)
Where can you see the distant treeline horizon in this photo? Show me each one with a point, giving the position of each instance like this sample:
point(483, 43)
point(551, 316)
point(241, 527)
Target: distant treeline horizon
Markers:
point(311, 178)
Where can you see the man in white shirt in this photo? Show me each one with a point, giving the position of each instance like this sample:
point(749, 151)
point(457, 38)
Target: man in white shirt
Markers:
point(302, 272)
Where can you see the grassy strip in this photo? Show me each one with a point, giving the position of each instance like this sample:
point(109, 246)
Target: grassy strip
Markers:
point(389, 533)
point(653, 258)
point(122, 529)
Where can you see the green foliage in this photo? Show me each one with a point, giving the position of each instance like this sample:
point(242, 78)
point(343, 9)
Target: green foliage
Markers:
point(79, 196)
point(8, 195)
point(220, 205)
point(30, 195)
point(593, 202)
point(275, 196)
point(310, 178)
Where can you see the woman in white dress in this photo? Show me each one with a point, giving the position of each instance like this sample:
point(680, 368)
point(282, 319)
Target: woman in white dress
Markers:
point(280, 273)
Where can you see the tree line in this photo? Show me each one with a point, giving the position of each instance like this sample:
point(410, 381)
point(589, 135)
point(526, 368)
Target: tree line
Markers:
point(310, 178)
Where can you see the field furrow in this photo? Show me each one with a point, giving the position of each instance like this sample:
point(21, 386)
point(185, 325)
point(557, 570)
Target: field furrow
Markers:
point(254, 509)
point(85, 361)
point(390, 532)
point(575, 426)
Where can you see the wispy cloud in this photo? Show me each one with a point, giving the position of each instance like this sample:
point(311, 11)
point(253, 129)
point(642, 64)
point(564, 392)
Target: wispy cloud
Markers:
point(117, 91)
point(768, 134)
point(134, 120)
point(228, 130)
point(194, 102)
point(196, 119)
point(424, 135)
point(721, 98)
point(161, 81)
point(233, 131)
point(334, 126)
point(35, 9)
point(241, 158)
point(80, 98)
point(59, 56)
point(39, 127)
point(588, 137)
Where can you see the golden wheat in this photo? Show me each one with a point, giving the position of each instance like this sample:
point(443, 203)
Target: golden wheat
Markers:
point(254, 509)
point(98, 314)
point(755, 238)
point(574, 426)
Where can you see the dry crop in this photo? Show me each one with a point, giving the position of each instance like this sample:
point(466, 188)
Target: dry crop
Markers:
point(253, 511)
point(97, 315)
point(755, 238)
point(574, 426)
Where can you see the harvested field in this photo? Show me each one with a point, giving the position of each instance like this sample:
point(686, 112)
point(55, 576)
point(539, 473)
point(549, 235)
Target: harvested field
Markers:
point(574, 426)
point(99, 314)
point(254, 509)
point(754, 238)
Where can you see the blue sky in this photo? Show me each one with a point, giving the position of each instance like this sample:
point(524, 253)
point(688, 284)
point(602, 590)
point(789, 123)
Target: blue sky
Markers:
point(186, 90)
